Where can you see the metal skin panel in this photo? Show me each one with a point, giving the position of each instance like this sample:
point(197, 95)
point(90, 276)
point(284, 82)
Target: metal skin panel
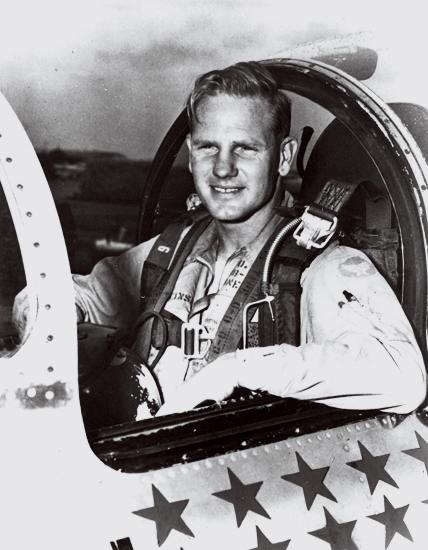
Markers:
point(329, 503)
point(52, 316)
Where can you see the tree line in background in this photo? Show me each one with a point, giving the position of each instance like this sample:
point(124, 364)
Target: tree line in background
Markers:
point(98, 176)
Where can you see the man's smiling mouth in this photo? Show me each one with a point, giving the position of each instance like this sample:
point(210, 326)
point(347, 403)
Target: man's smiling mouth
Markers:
point(226, 190)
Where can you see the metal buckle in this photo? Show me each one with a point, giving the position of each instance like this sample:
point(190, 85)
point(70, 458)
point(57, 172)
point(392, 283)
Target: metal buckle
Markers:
point(268, 299)
point(314, 231)
point(195, 341)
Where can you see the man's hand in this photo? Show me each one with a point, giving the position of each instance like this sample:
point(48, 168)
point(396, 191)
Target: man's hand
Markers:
point(215, 382)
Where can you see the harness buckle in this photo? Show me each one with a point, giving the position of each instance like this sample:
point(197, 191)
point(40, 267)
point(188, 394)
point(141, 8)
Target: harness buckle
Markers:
point(195, 341)
point(315, 230)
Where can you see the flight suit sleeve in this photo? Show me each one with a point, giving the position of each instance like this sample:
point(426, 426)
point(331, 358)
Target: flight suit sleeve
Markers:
point(109, 295)
point(358, 350)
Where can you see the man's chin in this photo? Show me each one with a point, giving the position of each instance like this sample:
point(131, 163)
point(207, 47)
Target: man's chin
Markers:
point(231, 217)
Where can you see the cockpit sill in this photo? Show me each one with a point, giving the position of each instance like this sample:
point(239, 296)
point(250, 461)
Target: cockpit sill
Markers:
point(218, 429)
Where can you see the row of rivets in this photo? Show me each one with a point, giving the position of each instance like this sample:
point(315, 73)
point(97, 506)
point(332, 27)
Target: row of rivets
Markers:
point(49, 394)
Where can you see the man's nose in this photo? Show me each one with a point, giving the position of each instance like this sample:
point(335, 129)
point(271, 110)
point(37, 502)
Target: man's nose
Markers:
point(225, 165)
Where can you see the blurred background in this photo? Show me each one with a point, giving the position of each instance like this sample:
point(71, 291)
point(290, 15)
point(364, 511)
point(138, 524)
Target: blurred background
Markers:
point(97, 84)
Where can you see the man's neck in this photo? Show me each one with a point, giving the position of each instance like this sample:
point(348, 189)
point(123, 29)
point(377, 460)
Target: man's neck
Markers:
point(233, 236)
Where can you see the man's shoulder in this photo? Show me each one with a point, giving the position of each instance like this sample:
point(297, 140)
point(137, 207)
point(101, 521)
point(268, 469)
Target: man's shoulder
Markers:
point(340, 260)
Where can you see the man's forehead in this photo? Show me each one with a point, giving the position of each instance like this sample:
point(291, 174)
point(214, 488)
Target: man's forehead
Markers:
point(229, 111)
point(225, 101)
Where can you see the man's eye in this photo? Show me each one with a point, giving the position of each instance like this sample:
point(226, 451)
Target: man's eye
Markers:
point(208, 149)
point(245, 151)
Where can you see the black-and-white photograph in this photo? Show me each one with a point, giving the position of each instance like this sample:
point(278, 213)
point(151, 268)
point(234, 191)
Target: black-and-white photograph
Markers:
point(213, 275)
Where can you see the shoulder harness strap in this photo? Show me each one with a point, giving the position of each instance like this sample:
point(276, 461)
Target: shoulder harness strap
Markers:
point(319, 223)
point(293, 257)
point(161, 270)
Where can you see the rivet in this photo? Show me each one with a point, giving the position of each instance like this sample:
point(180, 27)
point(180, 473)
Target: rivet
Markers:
point(20, 186)
point(208, 464)
point(358, 427)
point(349, 429)
point(407, 151)
point(47, 306)
point(31, 392)
point(267, 450)
point(299, 443)
point(233, 458)
point(367, 425)
point(8, 159)
point(254, 452)
point(43, 275)
point(29, 214)
point(309, 440)
point(244, 454)
point(319, 437)
point(49, 338)
point(221, 461)
point(384, 421)
point(49, 395)
point(50, 369)
point(36, 245)
point(346, 448)
point(361, 478)
point(328, 435)
point(423, 187)
point(297, 430)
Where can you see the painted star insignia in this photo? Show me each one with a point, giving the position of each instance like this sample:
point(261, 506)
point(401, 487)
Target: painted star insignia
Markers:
point(373, 467)
point(243, 497)
point(338, 535)
point(311, 480)
point(263, 543)
point(421, 452)
point(166, 515)
point(393, 519)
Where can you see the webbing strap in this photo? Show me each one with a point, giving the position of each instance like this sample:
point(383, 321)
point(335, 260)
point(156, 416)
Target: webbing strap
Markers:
point(286, 290)
point(159, 258)
point(229, 333)
point(156, 297)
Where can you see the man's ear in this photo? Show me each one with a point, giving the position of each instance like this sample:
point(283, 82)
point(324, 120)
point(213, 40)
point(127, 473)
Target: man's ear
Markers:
point(288, 149)
point(189, 148)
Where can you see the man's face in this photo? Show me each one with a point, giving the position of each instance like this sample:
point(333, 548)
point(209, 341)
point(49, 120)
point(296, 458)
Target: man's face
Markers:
point(233, 156)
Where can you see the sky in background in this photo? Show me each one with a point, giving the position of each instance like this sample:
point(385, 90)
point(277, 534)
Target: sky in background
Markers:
point(113, 74)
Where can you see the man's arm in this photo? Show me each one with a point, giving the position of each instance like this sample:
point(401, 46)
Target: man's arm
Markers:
point(358, 349)
point(109, 295)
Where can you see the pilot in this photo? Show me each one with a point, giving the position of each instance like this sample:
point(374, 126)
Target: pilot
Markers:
point(357, 349)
